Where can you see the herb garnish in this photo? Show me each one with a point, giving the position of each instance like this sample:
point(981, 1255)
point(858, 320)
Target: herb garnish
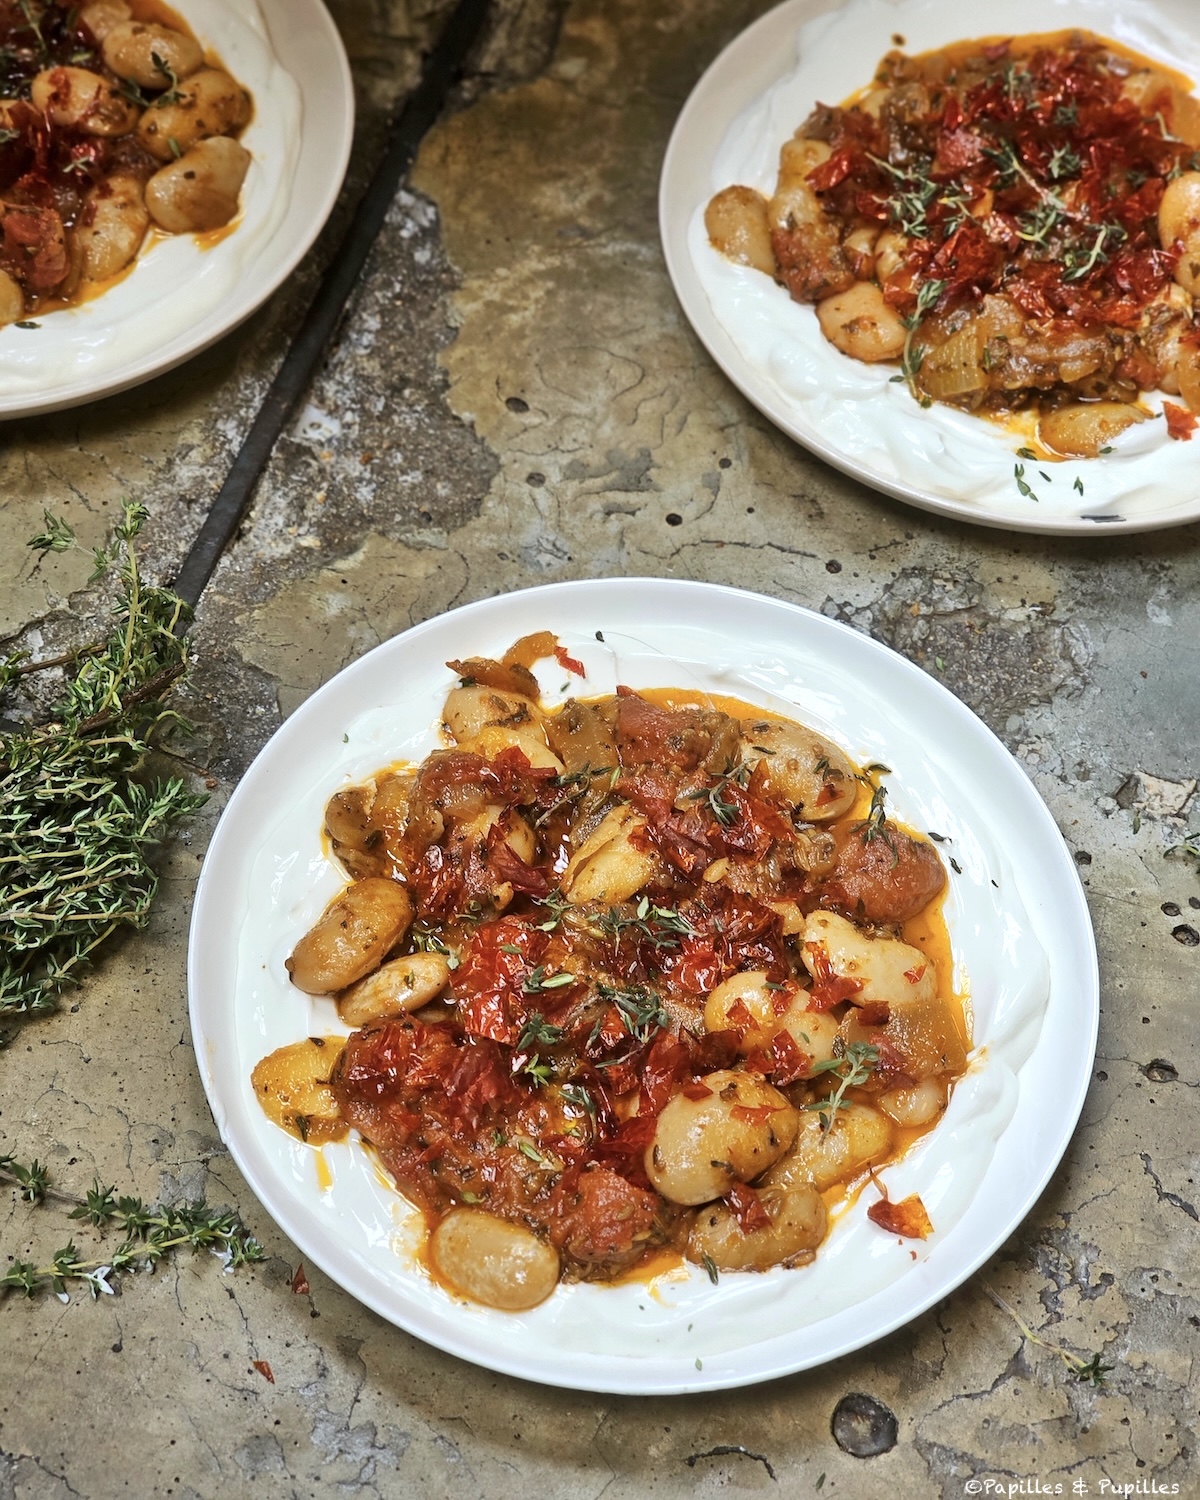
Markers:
point(76, 820)
point(852, 1069)
point(1088, 1371)
point(151, 1233)
point(642, 1012)
point(1023, 484)
point(537, 980)
point(662, 925)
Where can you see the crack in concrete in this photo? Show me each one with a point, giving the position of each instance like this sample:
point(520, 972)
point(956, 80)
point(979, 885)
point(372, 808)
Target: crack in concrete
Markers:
point(1163, 1195)
point(723, 1450)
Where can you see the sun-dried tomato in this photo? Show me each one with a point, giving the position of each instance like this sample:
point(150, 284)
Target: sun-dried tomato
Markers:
point(568, 662)
point(746, 1207)
point(489, 983)
point(907, 1218)
point(1181, 423)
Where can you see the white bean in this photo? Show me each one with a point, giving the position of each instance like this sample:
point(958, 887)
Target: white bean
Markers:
point(487, 721)
point(859, 323)
point(103, 15)
point(797, 1227)
point(1187, 374)
point(1179, 219)
point(472, 708)
point(112, 227)
point(209, 103)
point(352, 937)
point(751, 992)
point(149, 55)
point(292, 1085)
point(492, 1261)
point(802, 766)
point(200, 190)
point(890, 249)
point(607, 866)
point(919, 1105)
point(1082, 430)
point(857, 1137)
point(813, 1031)
point(83, 100)
point(736, 221)
point(702, 1146)
point(1179, 210)
point(403, 985)
point(887, 969)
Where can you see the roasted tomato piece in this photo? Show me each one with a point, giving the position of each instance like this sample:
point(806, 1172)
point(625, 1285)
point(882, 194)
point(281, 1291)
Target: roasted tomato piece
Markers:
point(599, 1221)
point(682, 737)
point(888, 877)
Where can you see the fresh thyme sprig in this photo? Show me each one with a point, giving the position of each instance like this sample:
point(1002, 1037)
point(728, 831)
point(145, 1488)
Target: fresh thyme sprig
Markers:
point(537, 980)
point(852, 1069)
point(536, 1034)
point(33, 1181)
point(1079, 260)
point(426, 940)
point(1088, 1371)
point(661, 925)
point(875, 825)
point(642, 1012)
point(913, 356)
point(909, 204)
point(151, 1233)
point(580, 1097)
point(722, 808)
point(33, 24)
point(76, 819)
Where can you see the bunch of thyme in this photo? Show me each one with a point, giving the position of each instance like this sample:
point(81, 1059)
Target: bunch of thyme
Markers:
point(151, 1233)
point(77, 819)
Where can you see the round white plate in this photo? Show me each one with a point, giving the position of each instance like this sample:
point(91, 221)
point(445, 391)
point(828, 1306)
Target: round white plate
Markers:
point(752, 99)
point(1019, 926)
point(180, 296)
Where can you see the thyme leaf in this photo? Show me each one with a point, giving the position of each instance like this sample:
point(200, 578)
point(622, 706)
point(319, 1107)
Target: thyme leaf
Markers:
point(151, 1232)
point(77, 816)
point(852, 1070)
point(642, 1012)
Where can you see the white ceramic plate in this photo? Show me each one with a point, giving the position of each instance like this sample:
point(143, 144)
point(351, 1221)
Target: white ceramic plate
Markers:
point(759, 90)
point(180, 297)
point(1019, 926)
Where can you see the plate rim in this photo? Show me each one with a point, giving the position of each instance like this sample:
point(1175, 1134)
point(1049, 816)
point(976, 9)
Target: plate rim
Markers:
point(785, 18)
point(283, 251)
point(292, 1219)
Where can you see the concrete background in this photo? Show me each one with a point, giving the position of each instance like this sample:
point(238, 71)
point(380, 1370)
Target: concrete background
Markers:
point(514, 399)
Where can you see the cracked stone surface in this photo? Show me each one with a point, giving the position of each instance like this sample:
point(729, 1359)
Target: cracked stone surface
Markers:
point(514, 398)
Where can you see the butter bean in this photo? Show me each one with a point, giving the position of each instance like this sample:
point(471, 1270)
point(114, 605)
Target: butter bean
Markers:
point(200, 190)
point(355, 932)
point(209, 103)
point(702, 1146)
point(151, 56)
point(112, 227)
point(492, 1261)
point(83, 100)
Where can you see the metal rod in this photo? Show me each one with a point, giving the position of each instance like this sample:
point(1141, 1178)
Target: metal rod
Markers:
point(305, 353)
